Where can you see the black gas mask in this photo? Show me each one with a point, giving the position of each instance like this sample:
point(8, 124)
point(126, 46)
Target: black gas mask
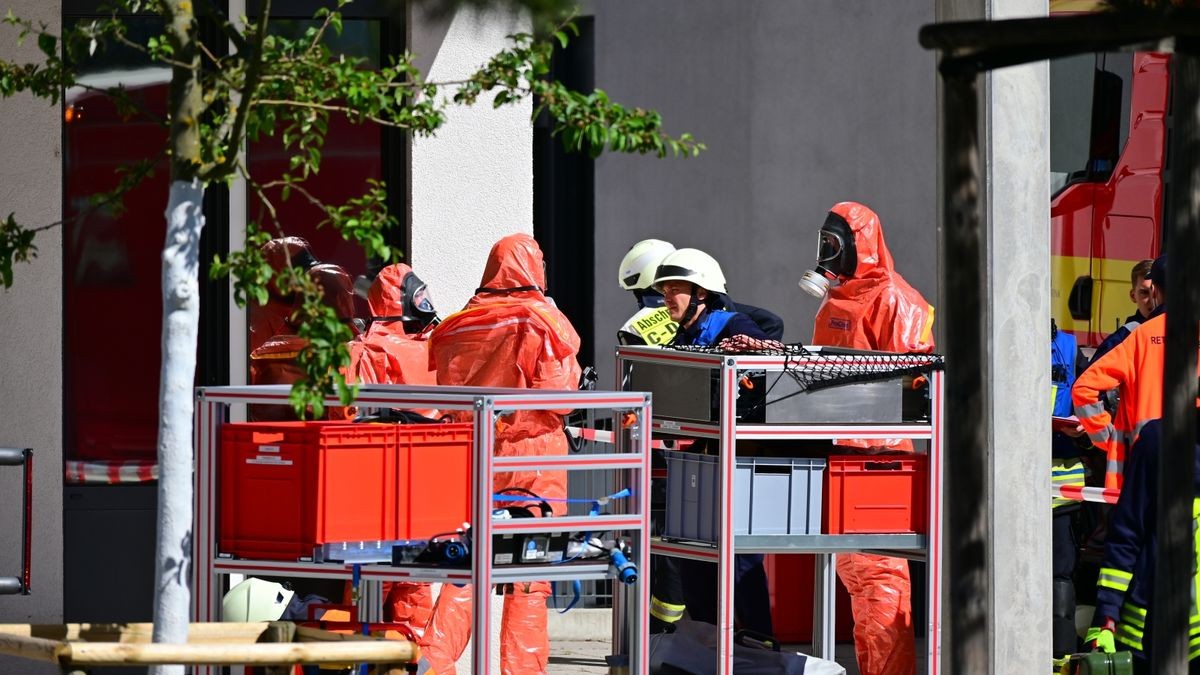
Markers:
point(418, 305)
point(837, 257)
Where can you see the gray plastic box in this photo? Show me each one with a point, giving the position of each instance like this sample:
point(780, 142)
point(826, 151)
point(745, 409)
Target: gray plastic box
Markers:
point(771, 496)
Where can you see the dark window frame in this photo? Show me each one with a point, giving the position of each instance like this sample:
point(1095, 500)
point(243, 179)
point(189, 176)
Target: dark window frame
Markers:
point(395, 150)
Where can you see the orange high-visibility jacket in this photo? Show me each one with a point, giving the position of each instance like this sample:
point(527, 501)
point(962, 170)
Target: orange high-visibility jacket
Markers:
point(1135, 367)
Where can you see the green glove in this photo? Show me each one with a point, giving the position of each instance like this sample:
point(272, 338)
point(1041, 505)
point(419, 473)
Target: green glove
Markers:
point(1101, 639)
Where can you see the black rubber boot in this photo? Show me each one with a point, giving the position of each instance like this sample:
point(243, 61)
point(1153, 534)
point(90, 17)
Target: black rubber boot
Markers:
point(1063, 626)
point(657, 625)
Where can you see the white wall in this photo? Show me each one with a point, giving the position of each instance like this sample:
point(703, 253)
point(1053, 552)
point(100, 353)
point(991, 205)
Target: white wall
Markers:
point(473, 182)
point(31, 339)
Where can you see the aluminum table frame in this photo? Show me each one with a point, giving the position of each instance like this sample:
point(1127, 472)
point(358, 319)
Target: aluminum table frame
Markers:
point(631, 456)
point(727, 431)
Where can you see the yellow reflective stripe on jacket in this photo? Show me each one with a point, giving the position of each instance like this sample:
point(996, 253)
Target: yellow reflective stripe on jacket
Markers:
point(1066, 472)
point(1132, 624)
point(1195, 563)
point(665, 611)
point(1129, 618)
point(1125, 636)
point(1118, 580)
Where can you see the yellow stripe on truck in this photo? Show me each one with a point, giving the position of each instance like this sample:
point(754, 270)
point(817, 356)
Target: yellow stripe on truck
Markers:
point(1064, 270)
point(1075, 6)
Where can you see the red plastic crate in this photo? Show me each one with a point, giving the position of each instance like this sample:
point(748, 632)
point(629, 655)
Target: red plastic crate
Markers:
point(790, 584)
point(286, 487)
point(433, 479)
point(876, 494)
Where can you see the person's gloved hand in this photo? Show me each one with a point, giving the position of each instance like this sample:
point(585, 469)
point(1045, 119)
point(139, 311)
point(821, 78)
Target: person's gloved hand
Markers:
point(1101, 638)
point(745, 343)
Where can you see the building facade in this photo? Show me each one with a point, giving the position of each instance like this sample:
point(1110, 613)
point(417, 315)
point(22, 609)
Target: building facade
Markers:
point(801, 105)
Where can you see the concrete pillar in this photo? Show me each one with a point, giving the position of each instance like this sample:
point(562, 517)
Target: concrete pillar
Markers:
point(472, 183)
point(1014, 161)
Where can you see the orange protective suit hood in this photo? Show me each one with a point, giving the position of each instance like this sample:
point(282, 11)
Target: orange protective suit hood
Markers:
point(287, 252)
point(398, 294)
point(875, 308)
point(513, 283)
point(874, 259)
point(389, 353)
point(515, 264)
point(338, 290)
point(509, 334)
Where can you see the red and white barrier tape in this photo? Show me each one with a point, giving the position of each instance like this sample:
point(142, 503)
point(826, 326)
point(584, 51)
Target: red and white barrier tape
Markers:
point(1086, 494)
point(77, 472)
point(602, 436)
point(99, 472)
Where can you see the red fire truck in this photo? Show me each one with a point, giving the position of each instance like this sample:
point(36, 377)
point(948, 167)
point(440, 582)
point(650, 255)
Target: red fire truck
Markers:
point(1108, 135)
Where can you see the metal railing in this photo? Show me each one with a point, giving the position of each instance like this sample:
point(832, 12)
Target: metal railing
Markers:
point(23, 457)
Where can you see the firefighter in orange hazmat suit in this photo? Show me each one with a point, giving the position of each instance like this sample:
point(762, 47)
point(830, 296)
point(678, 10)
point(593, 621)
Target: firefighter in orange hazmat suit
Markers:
point(508, 335)
point(273, 360)
point(395, 350)
point(868, 305)
point(272, 318)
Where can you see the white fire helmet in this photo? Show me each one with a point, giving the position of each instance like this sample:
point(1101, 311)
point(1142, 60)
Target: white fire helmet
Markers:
point(637, 269)
point(694, 265)
point(255, 600)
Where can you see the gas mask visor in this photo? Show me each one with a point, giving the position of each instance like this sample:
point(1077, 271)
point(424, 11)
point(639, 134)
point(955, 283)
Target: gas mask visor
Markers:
point(836, 257)
point(418, 305)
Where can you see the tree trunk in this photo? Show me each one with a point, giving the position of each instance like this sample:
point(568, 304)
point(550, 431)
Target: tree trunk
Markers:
point(181, 319)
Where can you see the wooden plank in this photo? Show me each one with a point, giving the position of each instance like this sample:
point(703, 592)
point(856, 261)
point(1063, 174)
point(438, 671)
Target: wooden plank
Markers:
point(136, 633)
point(308, 634)
point(348, 651)
point(27, 647)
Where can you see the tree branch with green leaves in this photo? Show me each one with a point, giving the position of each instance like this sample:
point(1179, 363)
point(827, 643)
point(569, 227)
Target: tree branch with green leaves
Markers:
point(287, 87)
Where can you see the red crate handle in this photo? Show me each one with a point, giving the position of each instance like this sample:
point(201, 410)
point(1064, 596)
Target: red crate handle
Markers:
point(266, 436)
point(884, 466)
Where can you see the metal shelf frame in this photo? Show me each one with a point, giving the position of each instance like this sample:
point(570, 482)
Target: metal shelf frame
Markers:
point(727, 431)
point(631, 457)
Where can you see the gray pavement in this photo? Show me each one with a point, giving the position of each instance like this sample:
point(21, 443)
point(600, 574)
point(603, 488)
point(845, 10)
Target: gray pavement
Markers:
point(578, 657)
point(581, 639)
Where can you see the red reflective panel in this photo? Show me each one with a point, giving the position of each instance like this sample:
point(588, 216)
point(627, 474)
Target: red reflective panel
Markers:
point(352, 156)
point(111, 267)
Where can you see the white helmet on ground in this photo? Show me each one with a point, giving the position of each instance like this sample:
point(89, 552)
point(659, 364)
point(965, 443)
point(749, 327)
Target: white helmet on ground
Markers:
point(639, 264)
point(255, 600)
point(694, 265)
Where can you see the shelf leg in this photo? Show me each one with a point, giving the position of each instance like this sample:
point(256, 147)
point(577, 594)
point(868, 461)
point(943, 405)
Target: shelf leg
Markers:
point(825, 608)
